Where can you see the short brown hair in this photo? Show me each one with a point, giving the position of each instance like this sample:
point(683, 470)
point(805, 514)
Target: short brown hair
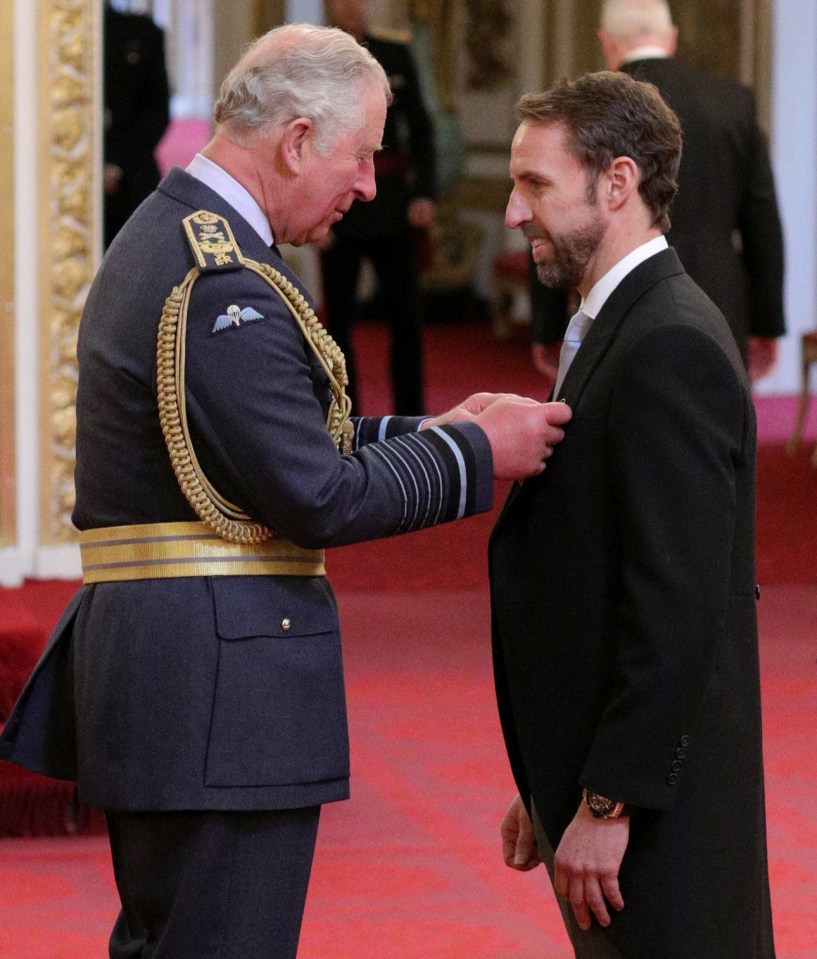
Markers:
point(607, 115)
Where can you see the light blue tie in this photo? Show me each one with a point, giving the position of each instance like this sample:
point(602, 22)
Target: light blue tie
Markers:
point(574, 334)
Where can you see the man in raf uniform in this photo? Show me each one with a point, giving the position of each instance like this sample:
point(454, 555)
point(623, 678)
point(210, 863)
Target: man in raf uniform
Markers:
point(194, 685)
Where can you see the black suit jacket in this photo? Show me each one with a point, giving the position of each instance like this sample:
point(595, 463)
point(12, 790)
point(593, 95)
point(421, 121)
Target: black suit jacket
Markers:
point(137, 110)
point(725, 220)
point(623, 598)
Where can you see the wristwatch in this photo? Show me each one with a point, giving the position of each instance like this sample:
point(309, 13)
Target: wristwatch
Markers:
point(604, 808)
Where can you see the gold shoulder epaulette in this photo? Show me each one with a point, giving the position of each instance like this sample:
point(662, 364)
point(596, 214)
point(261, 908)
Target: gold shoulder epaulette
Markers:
point(390, 34)
point(212, 242)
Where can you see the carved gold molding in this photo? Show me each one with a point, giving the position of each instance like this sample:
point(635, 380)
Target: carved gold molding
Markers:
point(7, 459)
point(70, 47)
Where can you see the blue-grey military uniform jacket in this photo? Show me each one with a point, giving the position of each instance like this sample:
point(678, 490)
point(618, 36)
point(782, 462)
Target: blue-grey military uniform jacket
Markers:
point(221, 692)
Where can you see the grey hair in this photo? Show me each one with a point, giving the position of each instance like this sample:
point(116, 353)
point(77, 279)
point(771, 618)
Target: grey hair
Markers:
point(628, 19)
point(298, 70)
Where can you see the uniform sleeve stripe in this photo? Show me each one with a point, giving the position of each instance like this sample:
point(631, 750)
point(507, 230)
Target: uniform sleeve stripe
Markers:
point(382, 432)
point(460, 461)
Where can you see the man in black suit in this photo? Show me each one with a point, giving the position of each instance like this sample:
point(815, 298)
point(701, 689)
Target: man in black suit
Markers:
point(622, 579)
point(725, 220)
point(136, 113)
point(194, 686)
point(386, 231)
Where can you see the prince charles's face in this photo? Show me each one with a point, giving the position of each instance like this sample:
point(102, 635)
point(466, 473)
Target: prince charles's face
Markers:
point(328, 183)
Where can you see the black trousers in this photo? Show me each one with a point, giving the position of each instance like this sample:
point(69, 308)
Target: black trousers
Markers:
point(211, 885)
point(393, 259)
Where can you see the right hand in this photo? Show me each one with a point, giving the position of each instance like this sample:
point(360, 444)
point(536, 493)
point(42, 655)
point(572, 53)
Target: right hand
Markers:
point(522, 434)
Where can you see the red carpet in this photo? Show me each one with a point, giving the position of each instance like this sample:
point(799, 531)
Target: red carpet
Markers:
point(411, 866)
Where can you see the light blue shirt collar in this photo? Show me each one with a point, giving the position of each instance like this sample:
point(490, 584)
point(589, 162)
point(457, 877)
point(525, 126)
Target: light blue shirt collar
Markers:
point(230, 190)
point(598, 296)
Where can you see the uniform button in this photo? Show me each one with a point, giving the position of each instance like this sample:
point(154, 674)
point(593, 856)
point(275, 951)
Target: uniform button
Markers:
point(757, 591)
point(684, 740)
point(680, 752)
point(676, 764)
point(672, 779)
point(286, 624)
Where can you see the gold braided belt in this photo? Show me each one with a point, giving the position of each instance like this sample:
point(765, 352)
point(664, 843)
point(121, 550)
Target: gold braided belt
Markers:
point(168, 550)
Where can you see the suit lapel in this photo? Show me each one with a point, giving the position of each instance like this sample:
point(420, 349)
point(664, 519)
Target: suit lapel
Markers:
point(602, 333)
point(604, 328)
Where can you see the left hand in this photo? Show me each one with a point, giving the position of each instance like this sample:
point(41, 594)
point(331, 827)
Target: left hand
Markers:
point(587, 864)
point(761, 356)
point(469, 409)
point(421, 213)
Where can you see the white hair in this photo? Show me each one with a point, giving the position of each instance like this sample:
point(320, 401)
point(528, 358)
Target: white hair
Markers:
point(299, 70)
point(628, 19)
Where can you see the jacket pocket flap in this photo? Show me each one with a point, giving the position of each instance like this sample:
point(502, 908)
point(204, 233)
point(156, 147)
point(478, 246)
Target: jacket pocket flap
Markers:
point(285, 606)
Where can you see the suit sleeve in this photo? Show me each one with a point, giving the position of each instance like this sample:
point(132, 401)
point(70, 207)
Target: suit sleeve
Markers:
point(680, 428)
point(255, 404)
point(761, 234)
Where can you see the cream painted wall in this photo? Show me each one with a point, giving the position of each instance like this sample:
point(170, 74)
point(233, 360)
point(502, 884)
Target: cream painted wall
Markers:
point(794, 156)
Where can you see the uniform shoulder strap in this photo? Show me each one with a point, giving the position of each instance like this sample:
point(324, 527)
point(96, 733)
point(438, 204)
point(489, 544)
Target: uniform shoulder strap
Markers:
point(211, 239)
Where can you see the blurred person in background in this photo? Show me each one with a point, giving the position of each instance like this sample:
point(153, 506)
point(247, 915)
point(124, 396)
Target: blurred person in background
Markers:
point(386, 232)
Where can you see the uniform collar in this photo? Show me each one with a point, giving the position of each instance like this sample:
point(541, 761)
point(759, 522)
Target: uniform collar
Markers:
point(230, 190)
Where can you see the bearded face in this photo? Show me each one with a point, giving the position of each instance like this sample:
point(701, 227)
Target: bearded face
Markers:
point(562, 258)
point(555, 203)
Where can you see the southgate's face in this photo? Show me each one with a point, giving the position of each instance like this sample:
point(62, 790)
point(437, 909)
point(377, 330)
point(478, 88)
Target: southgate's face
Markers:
point(329, 183)
point(552, 204)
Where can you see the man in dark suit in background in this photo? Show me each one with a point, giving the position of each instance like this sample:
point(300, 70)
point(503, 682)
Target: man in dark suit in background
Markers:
point(385, 232)
point(622, 579)
point(725, 220)
point(136, 94)
point(194, 686)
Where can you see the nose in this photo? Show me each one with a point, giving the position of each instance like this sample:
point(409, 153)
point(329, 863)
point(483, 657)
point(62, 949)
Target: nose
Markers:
point(365, 187)
point(517, 212)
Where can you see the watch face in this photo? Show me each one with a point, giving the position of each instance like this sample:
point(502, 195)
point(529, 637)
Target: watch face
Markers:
point(600, 806)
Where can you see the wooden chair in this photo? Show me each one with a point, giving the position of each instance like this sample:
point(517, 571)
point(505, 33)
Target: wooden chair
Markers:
point(808, 358)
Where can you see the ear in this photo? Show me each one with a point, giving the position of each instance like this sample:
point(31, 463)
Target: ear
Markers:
point(620, 181)
point(294, 142)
